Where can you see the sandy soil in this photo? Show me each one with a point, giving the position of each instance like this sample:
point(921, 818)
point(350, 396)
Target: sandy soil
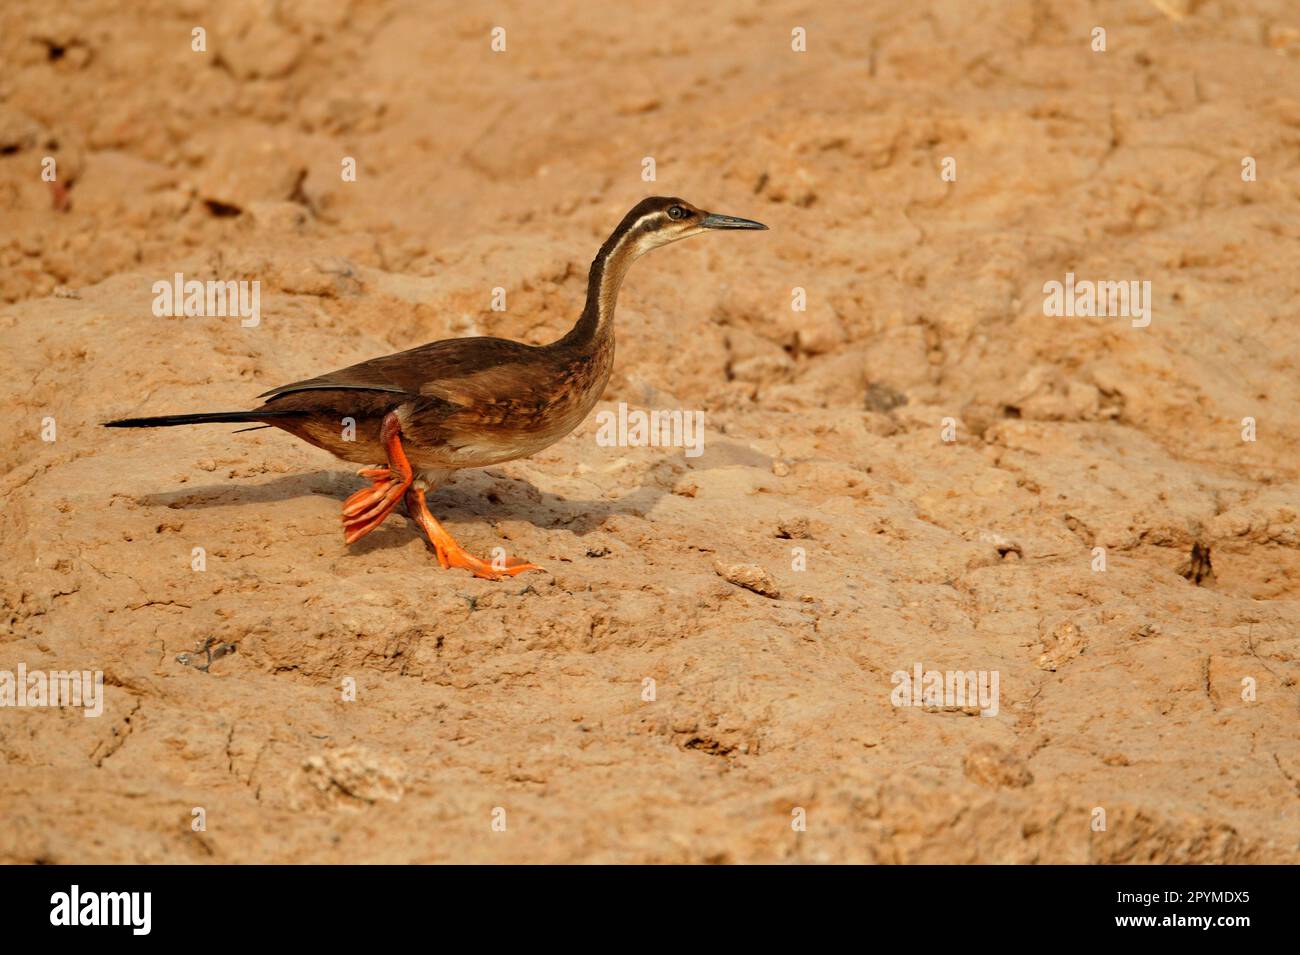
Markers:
point(1120, 690)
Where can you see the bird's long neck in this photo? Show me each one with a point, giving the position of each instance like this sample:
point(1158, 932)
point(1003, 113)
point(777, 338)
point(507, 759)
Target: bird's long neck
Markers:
point(595, 326)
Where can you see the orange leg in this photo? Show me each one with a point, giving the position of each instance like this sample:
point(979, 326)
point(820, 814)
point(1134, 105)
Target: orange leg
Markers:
point(450, 553)
point(366, 509)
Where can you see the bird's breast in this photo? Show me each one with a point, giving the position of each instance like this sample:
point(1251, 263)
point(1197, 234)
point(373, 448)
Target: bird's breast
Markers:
point(520, 417)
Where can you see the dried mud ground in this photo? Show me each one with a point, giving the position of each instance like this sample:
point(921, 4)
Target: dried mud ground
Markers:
point(1120, 690)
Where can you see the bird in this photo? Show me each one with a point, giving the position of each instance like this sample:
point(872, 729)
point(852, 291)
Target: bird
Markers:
point(460, 403)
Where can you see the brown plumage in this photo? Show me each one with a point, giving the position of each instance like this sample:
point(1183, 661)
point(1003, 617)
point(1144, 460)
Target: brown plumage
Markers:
point(465, 402)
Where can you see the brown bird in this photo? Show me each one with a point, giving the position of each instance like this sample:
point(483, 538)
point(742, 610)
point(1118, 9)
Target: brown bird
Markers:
point(464, 402)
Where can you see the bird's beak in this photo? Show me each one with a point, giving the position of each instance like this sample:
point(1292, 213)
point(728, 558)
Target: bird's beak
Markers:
point(715, 221)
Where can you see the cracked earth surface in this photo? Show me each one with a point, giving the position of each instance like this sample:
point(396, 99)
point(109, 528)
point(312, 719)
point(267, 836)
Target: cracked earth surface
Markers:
point(1120, 690)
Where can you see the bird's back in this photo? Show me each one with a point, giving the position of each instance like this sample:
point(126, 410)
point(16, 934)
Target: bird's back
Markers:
point(464, 402)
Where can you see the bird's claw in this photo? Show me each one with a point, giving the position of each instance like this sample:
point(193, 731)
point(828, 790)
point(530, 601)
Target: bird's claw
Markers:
point(366, 509)
point(484, 569)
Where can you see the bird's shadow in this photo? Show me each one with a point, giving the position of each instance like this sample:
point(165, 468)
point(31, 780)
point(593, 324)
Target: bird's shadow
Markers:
point(474, 495)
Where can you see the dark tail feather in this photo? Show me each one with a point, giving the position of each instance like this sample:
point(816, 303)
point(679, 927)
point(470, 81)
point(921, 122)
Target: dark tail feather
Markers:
point(214, 417)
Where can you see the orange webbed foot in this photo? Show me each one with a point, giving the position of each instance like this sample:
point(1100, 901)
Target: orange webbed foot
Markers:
point(451, 554)
point(487, 570)
point(366, 509)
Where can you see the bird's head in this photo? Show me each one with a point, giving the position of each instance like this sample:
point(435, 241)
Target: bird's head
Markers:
point(659, 220)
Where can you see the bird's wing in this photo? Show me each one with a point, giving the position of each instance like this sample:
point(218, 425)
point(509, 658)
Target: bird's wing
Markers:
point(426, 370)
point(366, 376)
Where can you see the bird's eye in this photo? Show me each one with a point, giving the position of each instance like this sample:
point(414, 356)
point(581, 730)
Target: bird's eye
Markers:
point(677, 212)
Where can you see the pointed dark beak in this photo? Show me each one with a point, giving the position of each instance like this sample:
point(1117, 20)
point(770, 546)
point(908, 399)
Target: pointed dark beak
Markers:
point(715, 221)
